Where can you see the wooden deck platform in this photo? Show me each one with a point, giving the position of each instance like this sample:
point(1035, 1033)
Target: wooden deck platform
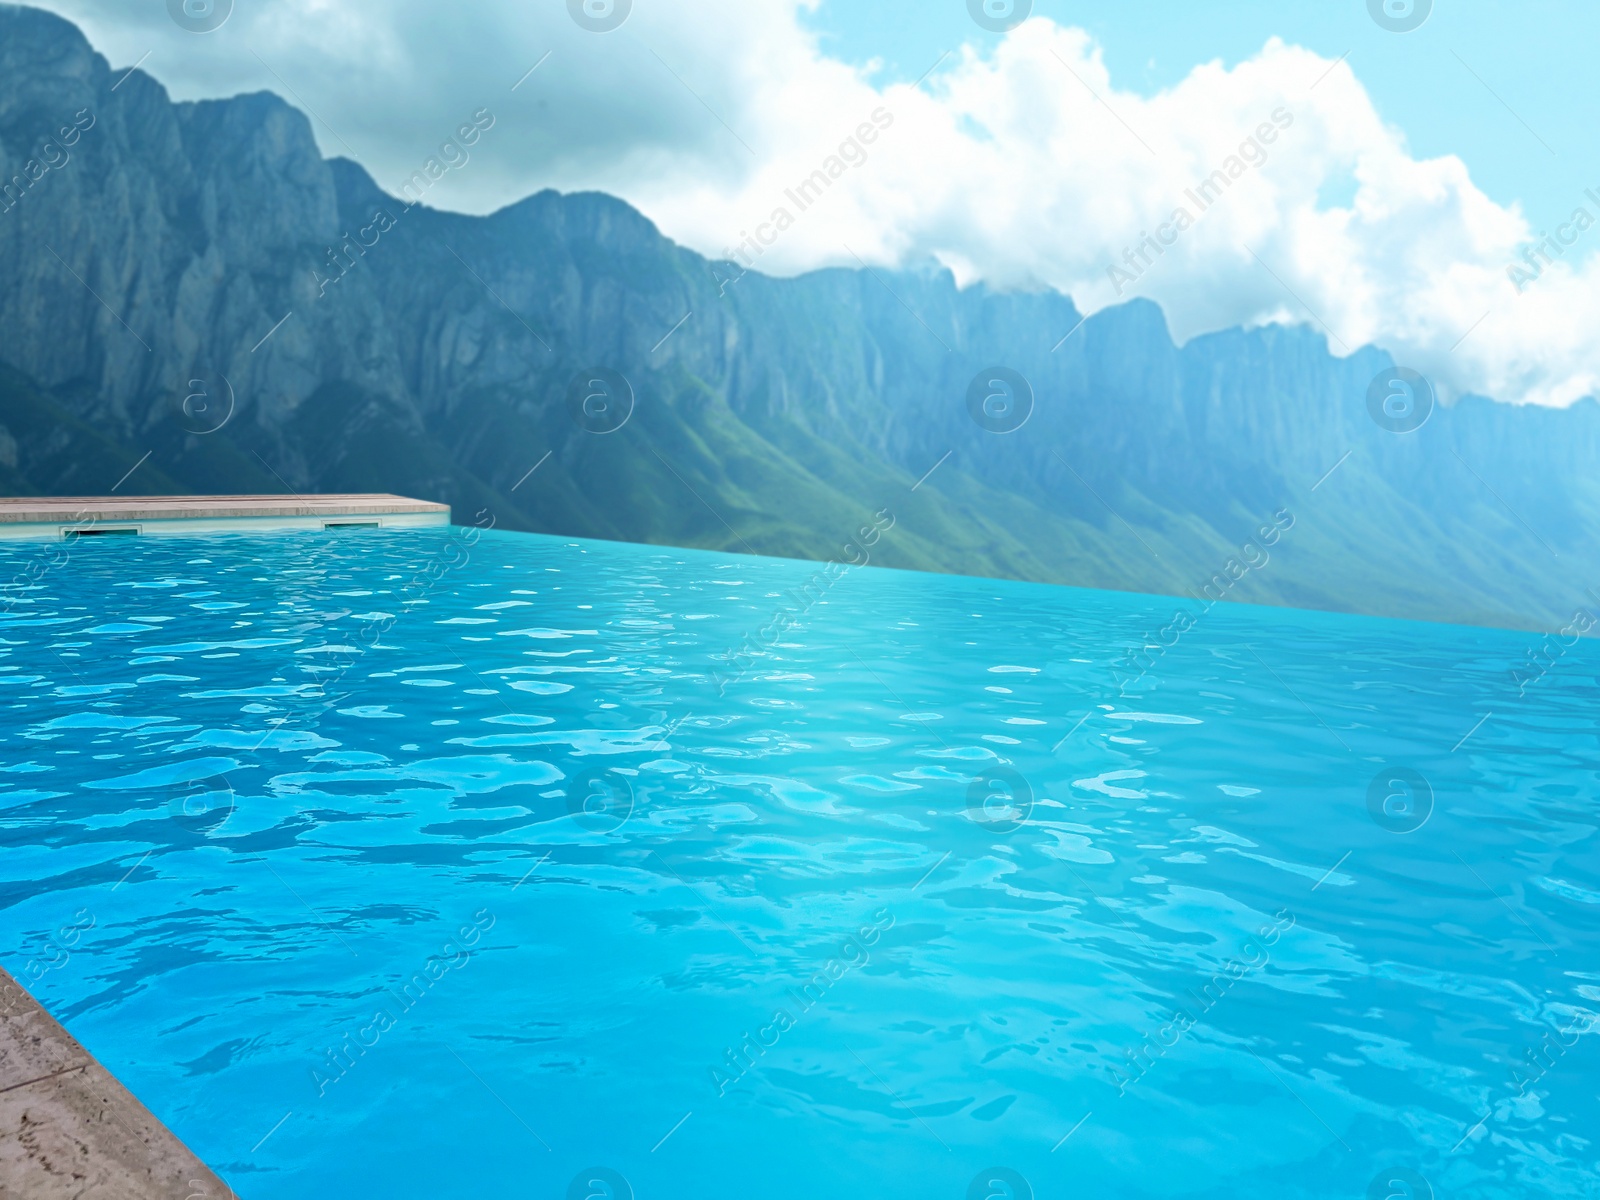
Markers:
point(53, 518)
point(68, 1129)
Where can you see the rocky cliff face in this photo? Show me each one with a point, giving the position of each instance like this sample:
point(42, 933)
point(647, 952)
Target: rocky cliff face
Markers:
point(196, 281)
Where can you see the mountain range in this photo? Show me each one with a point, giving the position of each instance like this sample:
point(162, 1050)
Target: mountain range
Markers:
point(195, 295)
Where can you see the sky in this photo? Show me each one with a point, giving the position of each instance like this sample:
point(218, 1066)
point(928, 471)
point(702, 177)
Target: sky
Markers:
point(1399, 172)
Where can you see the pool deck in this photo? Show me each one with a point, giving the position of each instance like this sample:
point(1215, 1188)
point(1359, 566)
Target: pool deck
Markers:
point(55, 518)
point(69, 1129)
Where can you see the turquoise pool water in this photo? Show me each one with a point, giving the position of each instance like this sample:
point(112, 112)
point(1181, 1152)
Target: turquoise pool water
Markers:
point(586, 879)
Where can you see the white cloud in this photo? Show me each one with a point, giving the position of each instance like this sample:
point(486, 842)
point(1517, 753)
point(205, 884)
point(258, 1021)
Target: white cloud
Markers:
point(1025, 166)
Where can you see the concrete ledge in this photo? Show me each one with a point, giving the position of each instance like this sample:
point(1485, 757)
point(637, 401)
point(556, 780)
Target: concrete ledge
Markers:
point(53, 518)
point(70, 1131)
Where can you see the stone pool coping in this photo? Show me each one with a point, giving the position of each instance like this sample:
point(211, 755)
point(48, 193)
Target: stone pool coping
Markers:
point(54, 518)
point(69, 1129)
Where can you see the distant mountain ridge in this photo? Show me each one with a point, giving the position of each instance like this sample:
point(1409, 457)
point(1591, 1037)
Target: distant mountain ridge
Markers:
point(367, 343)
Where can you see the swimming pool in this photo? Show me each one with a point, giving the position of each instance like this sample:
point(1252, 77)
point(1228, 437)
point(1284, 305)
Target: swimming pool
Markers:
point(409, 864)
